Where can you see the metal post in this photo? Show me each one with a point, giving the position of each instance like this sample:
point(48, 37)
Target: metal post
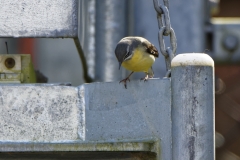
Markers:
point(193, 107)
point(110, 28)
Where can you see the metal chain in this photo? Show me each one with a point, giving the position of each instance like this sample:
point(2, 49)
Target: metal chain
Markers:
point(165, 29)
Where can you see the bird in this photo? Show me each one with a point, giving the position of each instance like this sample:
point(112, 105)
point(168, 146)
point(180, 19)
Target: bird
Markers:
point(136, 54)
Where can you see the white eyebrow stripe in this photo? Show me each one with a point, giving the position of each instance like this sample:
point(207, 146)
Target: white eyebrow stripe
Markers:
point(127, 48)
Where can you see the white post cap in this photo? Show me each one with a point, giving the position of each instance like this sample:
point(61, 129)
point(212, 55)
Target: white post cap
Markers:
point(192, 59)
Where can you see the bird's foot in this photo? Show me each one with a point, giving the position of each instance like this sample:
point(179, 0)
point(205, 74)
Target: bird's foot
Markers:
point(125, 81)
point(145, 78)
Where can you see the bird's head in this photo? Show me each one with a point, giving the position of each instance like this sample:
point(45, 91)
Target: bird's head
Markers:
point(123, 51)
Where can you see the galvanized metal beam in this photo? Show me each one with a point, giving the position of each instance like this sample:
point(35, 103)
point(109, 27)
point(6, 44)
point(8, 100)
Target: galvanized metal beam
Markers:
point(43, 18)
point(193, 129)
point(99, 116)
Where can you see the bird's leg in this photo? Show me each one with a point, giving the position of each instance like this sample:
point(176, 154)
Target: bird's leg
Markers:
point(125, 80)
point(149, 75)
point(145, 78)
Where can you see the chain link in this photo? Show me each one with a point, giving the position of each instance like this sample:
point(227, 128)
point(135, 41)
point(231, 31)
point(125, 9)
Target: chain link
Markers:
point(166, 3)
point(165, 29)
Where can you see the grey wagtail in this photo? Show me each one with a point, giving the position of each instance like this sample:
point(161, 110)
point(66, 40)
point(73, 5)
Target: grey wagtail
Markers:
point(137, 55)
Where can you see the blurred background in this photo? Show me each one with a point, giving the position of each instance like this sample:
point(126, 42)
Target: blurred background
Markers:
point(209, 26)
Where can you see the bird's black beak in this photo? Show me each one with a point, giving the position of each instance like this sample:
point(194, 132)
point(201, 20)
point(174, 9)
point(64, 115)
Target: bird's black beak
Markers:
point(120, 63)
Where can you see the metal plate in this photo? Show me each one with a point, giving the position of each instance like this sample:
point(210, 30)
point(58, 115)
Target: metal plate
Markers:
point(226, 40)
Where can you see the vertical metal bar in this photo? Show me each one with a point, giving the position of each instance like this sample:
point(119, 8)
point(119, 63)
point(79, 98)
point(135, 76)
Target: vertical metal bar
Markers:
point(83, 40)
point(193, 107)
point(110, 28)
point(86, 34)
point(188, 21)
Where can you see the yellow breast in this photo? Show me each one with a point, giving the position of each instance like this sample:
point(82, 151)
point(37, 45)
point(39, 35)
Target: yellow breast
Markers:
point(140, 61)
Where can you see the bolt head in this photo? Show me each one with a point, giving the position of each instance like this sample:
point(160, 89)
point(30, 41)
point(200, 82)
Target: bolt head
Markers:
point(230, 42)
